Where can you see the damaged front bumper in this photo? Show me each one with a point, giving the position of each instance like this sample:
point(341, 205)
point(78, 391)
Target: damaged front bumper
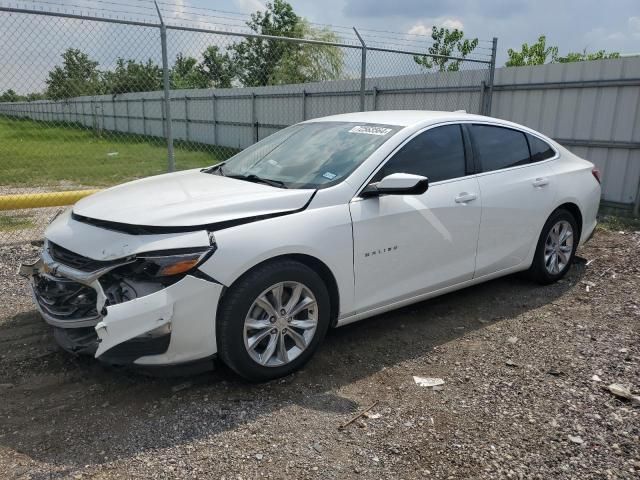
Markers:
point(173, 325)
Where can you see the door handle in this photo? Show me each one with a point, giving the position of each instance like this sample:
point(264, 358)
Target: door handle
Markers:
point(465, 197)
point(541, 182)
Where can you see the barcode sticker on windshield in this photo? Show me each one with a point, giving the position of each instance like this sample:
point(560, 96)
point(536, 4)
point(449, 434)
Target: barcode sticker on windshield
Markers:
point(370, 130)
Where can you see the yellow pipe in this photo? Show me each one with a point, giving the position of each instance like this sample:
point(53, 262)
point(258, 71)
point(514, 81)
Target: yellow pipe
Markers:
point(40, 200)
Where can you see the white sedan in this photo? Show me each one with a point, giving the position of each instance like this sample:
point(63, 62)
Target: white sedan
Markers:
point(321, 224)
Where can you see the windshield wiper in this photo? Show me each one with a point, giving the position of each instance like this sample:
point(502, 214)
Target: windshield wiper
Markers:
point(256, 179)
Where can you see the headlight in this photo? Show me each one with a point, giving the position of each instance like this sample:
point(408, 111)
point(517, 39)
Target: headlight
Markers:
point(150, 272)
point(170, 263)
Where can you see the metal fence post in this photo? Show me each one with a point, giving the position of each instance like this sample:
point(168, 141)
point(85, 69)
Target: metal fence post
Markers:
point(483, 98)
point(215, 128)
point(126, 106)
point(163, 117)
point(304, 104)
point(492, 71)
point(186, 117)
point(171, 161)
point(113, 111)
point(144, 118)
point(254, 120)
point(92, 110)
point(363, 70)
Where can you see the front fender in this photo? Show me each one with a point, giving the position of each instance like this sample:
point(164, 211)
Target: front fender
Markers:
point(323, 233)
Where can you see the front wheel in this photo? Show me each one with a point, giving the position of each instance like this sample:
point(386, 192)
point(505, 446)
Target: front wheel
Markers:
point(556, 248)
point(272, 320)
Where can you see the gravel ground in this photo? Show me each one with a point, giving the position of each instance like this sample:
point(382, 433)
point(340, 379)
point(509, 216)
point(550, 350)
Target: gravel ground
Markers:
point(524, 368)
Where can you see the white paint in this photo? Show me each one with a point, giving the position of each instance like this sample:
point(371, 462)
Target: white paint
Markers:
point(190, 197)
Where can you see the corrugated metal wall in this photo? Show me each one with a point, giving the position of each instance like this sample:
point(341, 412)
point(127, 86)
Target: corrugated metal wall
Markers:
point(593, 108)
point(236, 117)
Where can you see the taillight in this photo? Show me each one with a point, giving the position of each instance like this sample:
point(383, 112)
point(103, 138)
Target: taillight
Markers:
point(596, 174)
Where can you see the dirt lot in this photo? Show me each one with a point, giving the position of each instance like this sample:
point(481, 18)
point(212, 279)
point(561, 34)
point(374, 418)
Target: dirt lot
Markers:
point(524, 369)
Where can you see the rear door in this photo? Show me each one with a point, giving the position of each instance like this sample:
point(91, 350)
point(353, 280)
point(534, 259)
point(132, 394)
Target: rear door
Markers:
point(405, 245)
point(518, 193)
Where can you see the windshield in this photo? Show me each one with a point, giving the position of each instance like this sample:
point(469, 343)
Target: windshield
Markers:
point(308, 155)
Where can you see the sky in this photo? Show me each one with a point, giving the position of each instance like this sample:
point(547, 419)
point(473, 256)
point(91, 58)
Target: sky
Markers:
point(572, 25)
point(32, 44)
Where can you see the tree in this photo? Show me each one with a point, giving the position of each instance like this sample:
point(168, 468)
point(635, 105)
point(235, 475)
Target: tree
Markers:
point(10, 96)
point(539, 54)
point(35, 96)
point(536, 54)
point(186, 74)
point(218, 68)
point(132, 76)
point(79, 75)
point(584, 56)
point(446, 43)
point(268, 62)
point(306, 62)
point(256, 58)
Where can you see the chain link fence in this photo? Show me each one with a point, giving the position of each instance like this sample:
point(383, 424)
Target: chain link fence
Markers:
point(89, 102)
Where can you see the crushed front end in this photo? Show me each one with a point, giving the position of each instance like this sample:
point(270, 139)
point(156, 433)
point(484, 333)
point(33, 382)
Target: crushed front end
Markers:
point(146, 308)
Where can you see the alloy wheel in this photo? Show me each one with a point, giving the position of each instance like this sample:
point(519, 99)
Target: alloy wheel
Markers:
point(558, 247)
point(280, 324)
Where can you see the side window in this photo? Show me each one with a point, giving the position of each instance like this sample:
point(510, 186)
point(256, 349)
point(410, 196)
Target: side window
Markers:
point(540, 150)
point(499, 147)
point(437, 154)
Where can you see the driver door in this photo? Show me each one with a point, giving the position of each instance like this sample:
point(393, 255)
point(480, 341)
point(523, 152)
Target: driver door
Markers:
point(408, 245)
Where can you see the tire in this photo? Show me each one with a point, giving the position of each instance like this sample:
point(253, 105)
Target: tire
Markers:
point(542, 268)
point(235, 331)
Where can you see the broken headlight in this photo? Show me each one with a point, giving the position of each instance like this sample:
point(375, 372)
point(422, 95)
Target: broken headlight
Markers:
point(150, 272)
point(169, 263)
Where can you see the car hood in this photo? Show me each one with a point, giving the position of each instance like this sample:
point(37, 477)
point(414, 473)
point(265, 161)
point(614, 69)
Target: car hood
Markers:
point(189, 198)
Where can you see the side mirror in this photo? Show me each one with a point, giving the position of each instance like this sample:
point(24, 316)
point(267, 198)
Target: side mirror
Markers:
point(397, 184)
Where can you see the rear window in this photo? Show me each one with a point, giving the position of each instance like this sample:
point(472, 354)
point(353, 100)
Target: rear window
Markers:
point(540, 150)
point(499, 147)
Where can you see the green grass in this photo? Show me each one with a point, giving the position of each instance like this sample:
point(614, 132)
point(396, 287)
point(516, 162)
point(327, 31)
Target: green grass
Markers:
point(15, 222)
point(55, 154)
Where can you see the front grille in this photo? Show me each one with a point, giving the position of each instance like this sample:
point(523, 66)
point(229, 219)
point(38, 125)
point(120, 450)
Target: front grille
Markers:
point(74, 260)
point(65, 299)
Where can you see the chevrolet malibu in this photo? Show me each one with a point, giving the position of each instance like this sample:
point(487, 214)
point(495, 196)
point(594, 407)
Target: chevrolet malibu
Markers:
point(321, 224)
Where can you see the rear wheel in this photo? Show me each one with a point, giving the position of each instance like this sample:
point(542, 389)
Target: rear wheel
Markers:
point(272, 320)
point(556, 248)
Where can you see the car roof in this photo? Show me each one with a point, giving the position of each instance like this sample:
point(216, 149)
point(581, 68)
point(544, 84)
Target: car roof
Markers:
point(403, 118)
point(424, 118)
